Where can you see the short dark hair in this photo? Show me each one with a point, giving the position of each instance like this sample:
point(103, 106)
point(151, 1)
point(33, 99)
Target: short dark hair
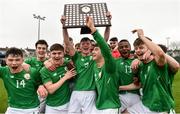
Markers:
point(114, 39)
point(56, 46)
point(93, 41)
point(14, 52)
point(70, 39)
point(163, 47)
point(138, 41)
point(124, 40)
point(41, 42)
point(84, 39)
point(77, 44)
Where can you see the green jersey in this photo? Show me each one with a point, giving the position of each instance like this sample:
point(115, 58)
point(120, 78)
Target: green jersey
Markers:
point(84, 66)
point(155, 82)
point(125, 73)
point(106, 78)
point(67, 57)
point(62, 95)
point(33, 62)
point(21, 87)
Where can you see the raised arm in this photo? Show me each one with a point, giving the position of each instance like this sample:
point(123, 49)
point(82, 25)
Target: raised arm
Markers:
point(68, 47)
point(158, 53)
point(107, 29)
point(105, 50)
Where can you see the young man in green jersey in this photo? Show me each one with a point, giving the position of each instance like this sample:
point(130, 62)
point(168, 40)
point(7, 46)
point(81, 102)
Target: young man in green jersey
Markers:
point(41, 51)
point(83, 95)
point(38, 62)
point(126, 76)
point(105, 75)
point(154, 78)
point(56, 82)
point(21, 85)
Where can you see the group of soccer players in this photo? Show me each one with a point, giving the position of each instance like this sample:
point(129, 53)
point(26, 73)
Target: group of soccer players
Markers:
point(90, 80)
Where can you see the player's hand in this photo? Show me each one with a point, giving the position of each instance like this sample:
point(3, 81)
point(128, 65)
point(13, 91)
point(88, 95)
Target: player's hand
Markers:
point(42, 92)
point(146, 55)
point(108, 15)
point(135, 64)
point(26, 67)
point(69, 74)
point(139, 32)
point(90, 24)
point(49, 65)
point(63, 19)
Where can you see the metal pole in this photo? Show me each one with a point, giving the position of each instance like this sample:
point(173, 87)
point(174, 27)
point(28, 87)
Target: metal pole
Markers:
point(39, 21)
point(168, 42)
point(39, 30)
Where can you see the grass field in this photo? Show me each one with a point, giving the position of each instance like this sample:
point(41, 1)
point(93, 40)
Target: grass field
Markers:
point(176, 93)
point(3, 97)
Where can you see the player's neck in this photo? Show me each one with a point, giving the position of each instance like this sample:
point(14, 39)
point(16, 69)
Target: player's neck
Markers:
point(41, 58)
point(19, 69)
point(100, 62)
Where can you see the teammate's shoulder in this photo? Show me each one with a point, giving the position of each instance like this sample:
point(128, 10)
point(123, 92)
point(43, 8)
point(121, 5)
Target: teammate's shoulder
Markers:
point(4, 68)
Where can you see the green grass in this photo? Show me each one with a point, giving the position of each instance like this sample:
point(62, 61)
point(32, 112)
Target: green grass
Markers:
point(3, 97)
point(176, 93)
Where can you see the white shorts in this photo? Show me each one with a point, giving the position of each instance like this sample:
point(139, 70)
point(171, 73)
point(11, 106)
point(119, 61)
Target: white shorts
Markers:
point(57, 110)
point(172, 111)
point(127, 100)
point(105, 111)
point(11, 110)
point(82, 102)
point(139, 108)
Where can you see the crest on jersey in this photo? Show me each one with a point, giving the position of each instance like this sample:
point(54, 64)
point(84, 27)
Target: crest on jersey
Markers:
point(27, 76)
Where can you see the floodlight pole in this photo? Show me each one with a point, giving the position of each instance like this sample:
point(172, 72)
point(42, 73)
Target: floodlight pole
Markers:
point(39, 20)
point(167, 39)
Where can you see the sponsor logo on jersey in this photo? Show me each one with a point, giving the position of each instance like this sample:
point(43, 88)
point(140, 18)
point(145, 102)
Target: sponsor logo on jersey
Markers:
point(11, 76)
point(55, 74)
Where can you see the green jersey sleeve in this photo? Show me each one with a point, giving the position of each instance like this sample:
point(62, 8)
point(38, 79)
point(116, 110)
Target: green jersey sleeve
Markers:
point(3, 71)
point(45, 75)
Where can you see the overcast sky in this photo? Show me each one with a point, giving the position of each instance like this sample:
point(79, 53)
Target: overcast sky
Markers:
point(159, 19)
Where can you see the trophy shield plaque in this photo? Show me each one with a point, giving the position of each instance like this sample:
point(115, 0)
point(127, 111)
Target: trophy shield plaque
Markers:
point(76, 15)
